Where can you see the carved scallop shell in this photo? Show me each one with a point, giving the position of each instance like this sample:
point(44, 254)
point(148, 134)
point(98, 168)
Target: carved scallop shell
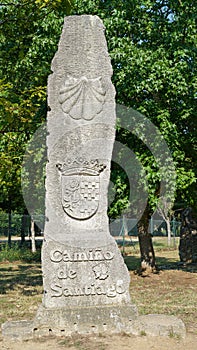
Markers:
point(82, 98)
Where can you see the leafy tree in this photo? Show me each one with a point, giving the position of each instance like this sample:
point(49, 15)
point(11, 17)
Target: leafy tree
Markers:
point(30, 32)
point(29, 37)
point(152, 48)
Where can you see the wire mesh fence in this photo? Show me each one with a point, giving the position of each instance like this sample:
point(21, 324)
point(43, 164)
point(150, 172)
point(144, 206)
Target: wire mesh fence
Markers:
point(18, 224)
point(121, 229)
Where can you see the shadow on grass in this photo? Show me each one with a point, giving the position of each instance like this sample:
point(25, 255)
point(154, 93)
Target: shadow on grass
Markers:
point(163, 263)
point(20, 276)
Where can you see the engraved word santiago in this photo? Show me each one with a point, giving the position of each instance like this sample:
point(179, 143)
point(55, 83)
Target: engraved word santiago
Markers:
point(101, 289)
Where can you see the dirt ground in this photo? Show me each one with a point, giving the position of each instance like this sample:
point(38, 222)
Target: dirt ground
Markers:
point(171, 291)
point(115, 342)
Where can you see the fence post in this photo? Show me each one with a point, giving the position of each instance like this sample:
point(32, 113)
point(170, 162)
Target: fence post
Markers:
point(33, 241)
point(10, 228)
point(174, 231)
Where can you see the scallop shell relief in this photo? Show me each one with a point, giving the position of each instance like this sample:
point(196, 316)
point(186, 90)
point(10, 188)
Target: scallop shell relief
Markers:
point(82, 98)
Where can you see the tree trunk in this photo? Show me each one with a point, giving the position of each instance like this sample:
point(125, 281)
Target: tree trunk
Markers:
point(124, 233)
point(33, 240)
point(145, 242)
point(23, 227)
point(188, 237)
point(167, 220)
point(10, 222)
point(10, 227)
point(125, 227)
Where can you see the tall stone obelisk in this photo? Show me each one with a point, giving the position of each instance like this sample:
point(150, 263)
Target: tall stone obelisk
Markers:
point(86, 283)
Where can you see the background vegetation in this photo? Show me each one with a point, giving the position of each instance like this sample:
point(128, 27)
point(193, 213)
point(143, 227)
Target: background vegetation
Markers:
point(152, 45)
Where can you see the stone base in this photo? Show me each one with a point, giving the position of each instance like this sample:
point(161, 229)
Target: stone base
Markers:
point(159, 325)
point(17, 330)
point(84, 320)
point(107, 319)
point(60, 322)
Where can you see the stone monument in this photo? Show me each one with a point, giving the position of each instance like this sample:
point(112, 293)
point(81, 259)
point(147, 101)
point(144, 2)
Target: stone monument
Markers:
point(85, 280)
point(86, 283)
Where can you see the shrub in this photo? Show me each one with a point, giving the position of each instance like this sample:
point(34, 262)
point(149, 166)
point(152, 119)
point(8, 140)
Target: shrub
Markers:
point(15, 253)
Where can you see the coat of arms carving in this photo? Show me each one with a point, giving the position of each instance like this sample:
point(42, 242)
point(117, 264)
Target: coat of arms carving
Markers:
point(80, 187)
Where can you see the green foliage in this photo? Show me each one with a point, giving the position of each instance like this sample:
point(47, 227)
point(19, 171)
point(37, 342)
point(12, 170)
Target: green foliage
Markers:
point(152, 45)
point(56, 4)
point(16, 223)
point(15, 253)
point(29, 37)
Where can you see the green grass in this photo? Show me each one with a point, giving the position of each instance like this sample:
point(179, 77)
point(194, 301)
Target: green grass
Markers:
point(172, 291)
point(20, 290)
point(16, 253)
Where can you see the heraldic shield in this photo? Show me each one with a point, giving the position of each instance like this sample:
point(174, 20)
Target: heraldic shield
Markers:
point(80, 187)
point(80, 195)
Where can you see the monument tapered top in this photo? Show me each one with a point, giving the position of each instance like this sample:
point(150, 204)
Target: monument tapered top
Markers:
point(82, 49)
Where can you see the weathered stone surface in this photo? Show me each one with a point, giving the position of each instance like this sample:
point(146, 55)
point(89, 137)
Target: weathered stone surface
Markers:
point(85, 280)
point(109, 319)
point(17, 330)
point(85, 320)
point(86, 276)
point(81, 263)
point(159, 325)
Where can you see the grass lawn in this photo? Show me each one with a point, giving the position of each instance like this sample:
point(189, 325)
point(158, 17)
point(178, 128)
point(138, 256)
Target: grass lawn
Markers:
point(173, 290)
